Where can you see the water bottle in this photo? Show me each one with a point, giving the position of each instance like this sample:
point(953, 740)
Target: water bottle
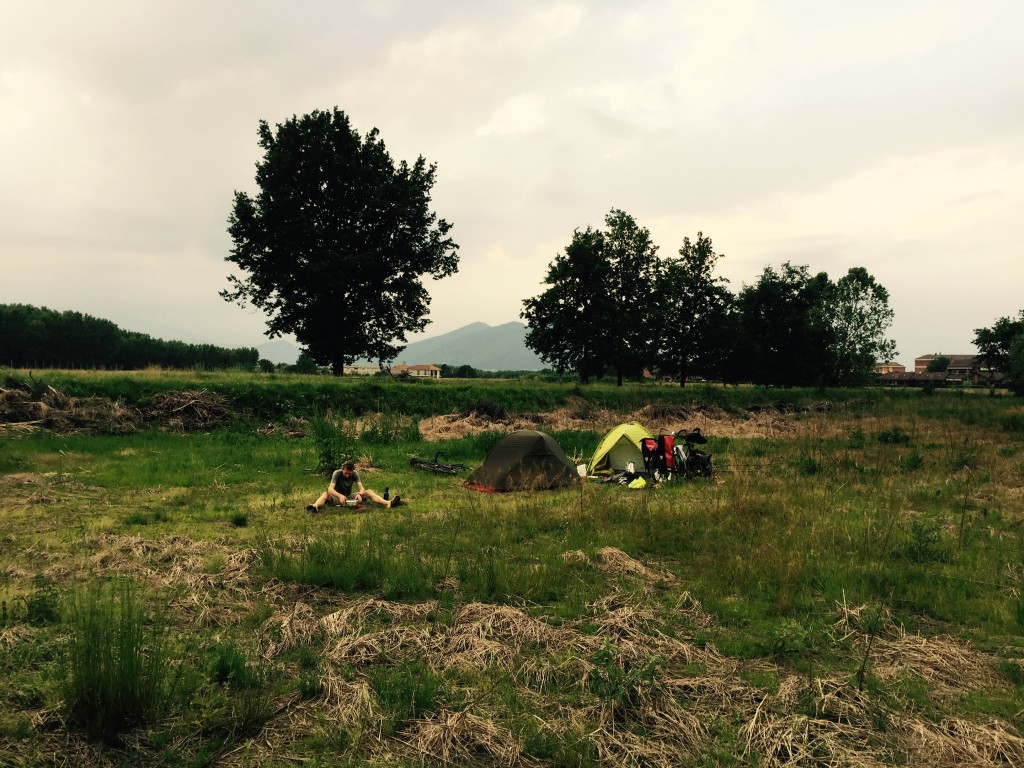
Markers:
point(387, 494)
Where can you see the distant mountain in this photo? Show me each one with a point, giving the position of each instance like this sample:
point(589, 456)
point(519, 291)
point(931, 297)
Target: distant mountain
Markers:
point(487, 348)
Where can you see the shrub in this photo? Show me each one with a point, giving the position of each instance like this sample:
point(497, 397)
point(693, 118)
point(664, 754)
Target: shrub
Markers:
point(911, 462)
point(925, 543)
point(332, 445)
point(894, 436)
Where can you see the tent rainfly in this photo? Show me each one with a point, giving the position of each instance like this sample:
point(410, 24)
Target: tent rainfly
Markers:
point(526, 460)
point(618, 448)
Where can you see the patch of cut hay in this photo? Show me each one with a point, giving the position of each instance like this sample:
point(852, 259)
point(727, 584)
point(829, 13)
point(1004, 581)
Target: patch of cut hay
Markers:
point(461, 738)
point(395, 643)
point(948, 666)
point(618, 563)
point(15, 635)
point(576, 556)
point(693, 611)
point(719, 694)
point(482, 636)
point(540, 675)
point(355, 615)
point(797, 740)
point(671, 736)
point(299, 626)
point(954, 742)
point(850, 620)
point(349, 702)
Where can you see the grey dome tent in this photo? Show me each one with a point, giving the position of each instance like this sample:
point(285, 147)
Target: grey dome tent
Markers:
point(526, 460)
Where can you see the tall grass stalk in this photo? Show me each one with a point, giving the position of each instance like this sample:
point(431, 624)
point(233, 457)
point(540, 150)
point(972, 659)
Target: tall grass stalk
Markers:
point(118, 675)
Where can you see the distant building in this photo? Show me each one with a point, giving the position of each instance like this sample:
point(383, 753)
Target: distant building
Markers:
point(961, 365)
point(417, 371)
point(961, 368)
point(890, 368)
point(360, 370)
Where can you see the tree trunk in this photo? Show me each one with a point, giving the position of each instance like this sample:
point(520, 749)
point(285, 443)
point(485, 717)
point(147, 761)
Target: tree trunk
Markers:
point(338, 365)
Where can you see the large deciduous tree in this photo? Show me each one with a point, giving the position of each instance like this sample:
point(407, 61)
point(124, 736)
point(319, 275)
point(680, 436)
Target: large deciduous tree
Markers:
point(592, 315)
point(783, 336)
point(692, 304)
point(859, 315)
point(996, 343)
point(799, 329)
point(568, 323)
point(335, 245)
point(635, 267)
point(1001, 349)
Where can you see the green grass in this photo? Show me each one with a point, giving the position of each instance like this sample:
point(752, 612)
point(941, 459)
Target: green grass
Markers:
point(117, 664)
point(922, 525)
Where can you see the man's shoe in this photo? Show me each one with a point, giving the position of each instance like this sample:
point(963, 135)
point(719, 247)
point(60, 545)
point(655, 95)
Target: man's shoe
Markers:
point(396, 502)
point(311, 508)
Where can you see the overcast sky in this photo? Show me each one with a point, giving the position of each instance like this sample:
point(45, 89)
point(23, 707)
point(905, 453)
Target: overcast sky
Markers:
point(888, 135)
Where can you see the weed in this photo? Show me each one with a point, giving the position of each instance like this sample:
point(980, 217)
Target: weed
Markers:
point(808, 465)
point(894, 436)
point(619, 685)
point(912, 462)
point(333, 446)
point(872, 622)
point(249, 701)
point(925, 544)
point(239, 519)
point(42, 605)
point(405, 691)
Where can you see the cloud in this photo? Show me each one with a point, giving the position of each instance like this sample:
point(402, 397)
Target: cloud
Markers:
point(881, 135)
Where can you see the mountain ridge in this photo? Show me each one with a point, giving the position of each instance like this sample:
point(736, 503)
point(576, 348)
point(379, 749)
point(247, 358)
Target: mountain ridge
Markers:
point(479, 345)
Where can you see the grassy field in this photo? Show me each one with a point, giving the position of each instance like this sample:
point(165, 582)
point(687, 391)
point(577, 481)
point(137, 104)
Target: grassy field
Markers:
point(846, 590)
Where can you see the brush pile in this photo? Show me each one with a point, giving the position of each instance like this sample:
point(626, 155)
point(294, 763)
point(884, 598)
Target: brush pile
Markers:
point(192, 410)
point(48, 408)
point(42, 406)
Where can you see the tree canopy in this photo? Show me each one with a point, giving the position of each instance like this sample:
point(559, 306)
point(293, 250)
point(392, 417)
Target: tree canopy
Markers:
point(693, 305)
point(568, 322)
point(859, 316)
point(1001, 348)
point(335, 245)
point(590, 318)
point(32, 337)
point(612, 304)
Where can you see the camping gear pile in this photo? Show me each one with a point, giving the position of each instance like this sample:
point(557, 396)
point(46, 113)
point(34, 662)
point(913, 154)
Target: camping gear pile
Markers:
point(630, 451)
point(529, 460)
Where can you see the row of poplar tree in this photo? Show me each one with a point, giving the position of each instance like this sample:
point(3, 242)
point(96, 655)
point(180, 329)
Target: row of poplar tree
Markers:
point(37, 337)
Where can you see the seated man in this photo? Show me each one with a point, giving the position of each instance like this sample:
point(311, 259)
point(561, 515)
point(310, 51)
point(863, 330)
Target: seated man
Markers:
point(340, 490)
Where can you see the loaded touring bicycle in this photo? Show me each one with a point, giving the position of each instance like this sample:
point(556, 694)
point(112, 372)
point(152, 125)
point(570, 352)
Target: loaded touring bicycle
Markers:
point(665, 459)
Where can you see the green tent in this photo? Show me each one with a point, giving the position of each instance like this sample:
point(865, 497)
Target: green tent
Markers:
point(618, 448)
point(526, 460)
